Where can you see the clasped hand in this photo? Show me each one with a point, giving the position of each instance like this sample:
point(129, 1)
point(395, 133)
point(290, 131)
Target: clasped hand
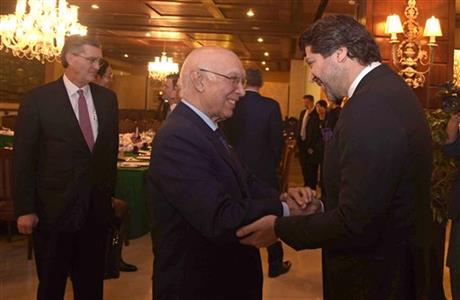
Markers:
point(261, 233)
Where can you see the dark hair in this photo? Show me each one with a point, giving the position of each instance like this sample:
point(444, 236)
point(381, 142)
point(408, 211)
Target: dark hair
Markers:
point(174, 78)
point(104, 64)
point(332, 32)
point(254, 77)
point(322, 103)
point(309, 97)
point(74, 43)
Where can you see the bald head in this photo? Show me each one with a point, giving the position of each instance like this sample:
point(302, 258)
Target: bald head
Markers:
point(212, 79)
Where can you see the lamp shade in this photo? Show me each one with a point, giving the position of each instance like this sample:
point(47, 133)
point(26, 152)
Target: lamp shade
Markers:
point(393, 24)
point(432, 27)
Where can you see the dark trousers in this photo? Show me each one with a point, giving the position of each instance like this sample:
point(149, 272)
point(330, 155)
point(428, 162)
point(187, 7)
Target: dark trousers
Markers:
point(79, 254)
point(455, 284)
point(311, 178)
point(275, 255)
point(309, 170)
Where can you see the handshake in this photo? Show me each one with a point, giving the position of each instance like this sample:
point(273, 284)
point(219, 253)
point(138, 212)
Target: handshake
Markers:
point(261, 233)
point(302, 201)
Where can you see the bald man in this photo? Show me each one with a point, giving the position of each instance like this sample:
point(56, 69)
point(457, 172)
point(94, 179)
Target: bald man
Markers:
point(201, 192)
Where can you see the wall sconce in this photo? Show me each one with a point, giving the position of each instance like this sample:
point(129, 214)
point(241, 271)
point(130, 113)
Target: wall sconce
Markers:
point(412, 61)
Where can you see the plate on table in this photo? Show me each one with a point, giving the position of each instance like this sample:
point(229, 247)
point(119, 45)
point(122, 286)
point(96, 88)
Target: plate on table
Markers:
point(133, 164)
point(143, 157)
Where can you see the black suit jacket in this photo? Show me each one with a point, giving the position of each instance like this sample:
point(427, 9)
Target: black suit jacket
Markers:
point(256, 132)
point(200, 198)
point(377, 170)
point(453, 150)
point(54, 173)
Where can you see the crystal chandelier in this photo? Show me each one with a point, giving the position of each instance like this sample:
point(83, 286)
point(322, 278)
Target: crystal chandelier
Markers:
point(162, 67)
point(40, 32)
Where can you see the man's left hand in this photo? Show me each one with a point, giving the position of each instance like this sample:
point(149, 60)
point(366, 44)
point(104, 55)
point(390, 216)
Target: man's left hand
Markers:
point(260, 233)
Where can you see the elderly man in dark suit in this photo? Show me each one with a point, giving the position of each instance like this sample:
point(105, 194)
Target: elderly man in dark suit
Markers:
point(256, 132)
point(202, 193)
point(375, 231)
point(452, 149)
point(64, 170)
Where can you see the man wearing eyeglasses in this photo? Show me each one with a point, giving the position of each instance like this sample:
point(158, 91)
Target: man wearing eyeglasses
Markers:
point(64, 170)
point(201, 193)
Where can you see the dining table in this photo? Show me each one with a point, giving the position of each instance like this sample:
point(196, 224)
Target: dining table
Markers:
point(132, 188)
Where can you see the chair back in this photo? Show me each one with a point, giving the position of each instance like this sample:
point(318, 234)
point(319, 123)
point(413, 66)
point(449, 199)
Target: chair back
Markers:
point(285, 164)
point(6, 202)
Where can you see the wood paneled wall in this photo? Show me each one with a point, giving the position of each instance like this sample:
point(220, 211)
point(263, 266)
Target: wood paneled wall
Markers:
point(375, 14)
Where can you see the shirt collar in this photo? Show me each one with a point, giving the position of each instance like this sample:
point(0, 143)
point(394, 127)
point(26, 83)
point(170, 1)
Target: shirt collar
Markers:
point(252, 90)
point(206, 119)
point(360, 76)
point(72, 88)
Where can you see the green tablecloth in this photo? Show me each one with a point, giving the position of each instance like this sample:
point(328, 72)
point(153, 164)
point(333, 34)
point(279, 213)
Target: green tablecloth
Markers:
point(6, 140)
point(132, 188)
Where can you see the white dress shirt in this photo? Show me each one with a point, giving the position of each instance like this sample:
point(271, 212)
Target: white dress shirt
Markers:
point(72, 91)
point(360, 76)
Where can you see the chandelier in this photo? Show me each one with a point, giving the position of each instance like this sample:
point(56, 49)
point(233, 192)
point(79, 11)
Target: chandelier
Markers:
point(409, 56)
point(40, 32)
point(162, 67)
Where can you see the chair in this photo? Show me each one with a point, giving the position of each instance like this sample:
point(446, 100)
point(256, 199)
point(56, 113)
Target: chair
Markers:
point(285, 164)
point(6, 202)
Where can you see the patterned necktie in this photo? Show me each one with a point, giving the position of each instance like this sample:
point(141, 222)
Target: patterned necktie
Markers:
point(85, 122)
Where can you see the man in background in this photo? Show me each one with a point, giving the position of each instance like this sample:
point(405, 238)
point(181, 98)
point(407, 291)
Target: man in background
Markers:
point(306, 118)
point(256, 132)
point(64, 171)
point(171, 92)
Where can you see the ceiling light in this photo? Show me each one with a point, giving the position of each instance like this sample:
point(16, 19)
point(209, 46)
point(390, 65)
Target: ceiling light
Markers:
point(37, 29)
point(162, 67)
point(250, 13)
point(126, 55)
point(266, 54)
point(267, 69)
point(264, 63)
point(95, 6)
point(260, 40)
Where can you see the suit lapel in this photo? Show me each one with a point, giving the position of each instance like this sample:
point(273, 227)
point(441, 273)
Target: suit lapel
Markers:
point(213, 138)
point(99, 107)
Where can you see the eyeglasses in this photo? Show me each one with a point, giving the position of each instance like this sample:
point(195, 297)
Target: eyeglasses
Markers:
point(91, 60)
point(234, 79)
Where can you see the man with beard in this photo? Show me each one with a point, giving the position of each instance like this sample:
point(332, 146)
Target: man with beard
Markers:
point(377, 167)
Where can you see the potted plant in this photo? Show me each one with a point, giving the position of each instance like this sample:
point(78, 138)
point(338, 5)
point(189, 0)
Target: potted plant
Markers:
point(444, 169)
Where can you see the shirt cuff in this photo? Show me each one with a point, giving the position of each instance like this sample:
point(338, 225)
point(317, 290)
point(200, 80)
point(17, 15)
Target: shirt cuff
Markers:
point(286, 211)
point(322, 205)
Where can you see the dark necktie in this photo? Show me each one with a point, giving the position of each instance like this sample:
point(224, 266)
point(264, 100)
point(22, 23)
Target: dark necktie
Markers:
point(85, 122)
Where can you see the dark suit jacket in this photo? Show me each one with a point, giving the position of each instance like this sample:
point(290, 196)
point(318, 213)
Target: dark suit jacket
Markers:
point(453, 150)
point(377, 170)
point(311, 121)
point(256, 132)
point(200, 197)
point(55, 174)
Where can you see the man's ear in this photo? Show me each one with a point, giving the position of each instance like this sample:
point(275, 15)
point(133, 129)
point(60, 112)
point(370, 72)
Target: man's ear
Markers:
point(197, 80)
point(342, 54)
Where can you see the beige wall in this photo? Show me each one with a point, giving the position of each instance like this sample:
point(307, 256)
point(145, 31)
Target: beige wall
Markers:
point(278, 91)
point(299, 86)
